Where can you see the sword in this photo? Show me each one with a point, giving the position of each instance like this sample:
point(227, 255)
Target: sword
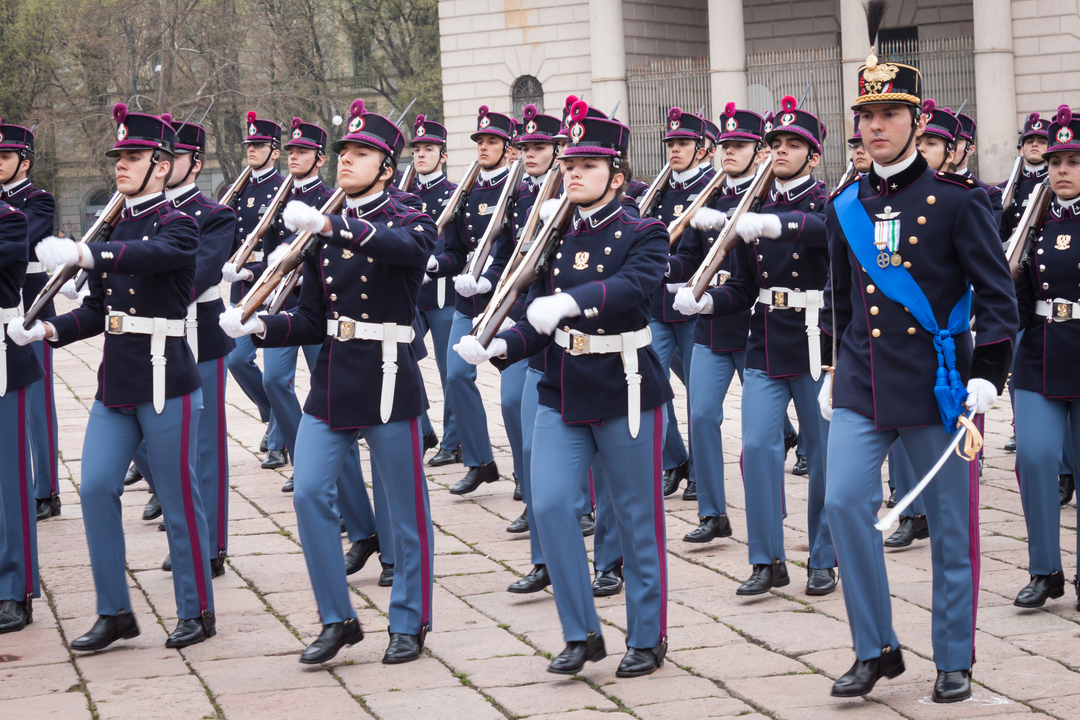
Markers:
point(962, 106)
point(207, 110)
point(615, 109)
point(405, 112)
point(805, 93)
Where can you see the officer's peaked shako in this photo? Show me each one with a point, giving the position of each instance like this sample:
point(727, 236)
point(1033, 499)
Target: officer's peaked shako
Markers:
point(428, 131)
point(138, 131)
point(306, 135)
point(1034, 126)
point(1064, 132)
point(373, 130)
point(967, 126)
point(190, 137)
point(593, 136)
point(564, 132)
point(791, 119)
point(260, 130)
point(856, 134)
point(738, 124)
point(684, 125)
point(492, 123)
point(16, 137)
point(889, 82)
point(537, 127)
point(940, 121)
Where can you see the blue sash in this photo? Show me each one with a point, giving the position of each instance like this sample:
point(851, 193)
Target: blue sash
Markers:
point(898, 285)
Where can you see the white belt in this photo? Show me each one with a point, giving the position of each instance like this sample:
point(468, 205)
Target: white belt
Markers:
point(440, 291)
point(34, 268)
point(626, 344)
point(158, 329)
point(1057, 310)
point(390, 335)
point(812, 301)
point(255, 256)
point(191, 322)
point(6, 316)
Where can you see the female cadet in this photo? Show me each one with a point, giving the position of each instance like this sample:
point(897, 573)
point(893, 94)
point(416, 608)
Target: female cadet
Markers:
point(603, 392)
point(1047, 389)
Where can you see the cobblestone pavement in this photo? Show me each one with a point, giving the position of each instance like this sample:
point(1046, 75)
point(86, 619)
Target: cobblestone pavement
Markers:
point(773, 656)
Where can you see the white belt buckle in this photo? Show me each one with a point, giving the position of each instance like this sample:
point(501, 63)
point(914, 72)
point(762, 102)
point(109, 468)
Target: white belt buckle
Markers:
point(1061, 310)
point(115, 325)
point(346, 330)
point(579, 343)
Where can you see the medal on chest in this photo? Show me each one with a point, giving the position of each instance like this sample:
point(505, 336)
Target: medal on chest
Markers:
point(887, 238)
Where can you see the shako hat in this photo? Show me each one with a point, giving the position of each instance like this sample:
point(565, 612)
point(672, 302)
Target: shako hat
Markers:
point(260, 130)
point(1064, 132)
point(306, 135)
point(791, 119)
point(428, 131)
point(373, 130)
point(493, 123)
point(139, 131)
point(594, 136)
point(537, 127)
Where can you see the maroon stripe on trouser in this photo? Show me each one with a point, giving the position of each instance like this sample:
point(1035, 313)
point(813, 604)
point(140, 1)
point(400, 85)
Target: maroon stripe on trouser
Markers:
point(24, 497)
point(421, 524)
point(222, 451)
point(658, 511)
point(189, 506)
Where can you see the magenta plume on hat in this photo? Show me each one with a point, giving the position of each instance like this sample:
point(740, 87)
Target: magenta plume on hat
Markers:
point(674, 114)
point(419, 121)
point(357, 108)
point(1064, 115)
point(729, 110)
point(530, 112)
point(119, 112)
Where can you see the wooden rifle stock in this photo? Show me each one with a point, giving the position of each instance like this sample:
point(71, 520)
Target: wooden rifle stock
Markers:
point(679, 224)
point(98, 232)
point(647, 202)
point(751, 201)
point(1009, 191)
point(265, 223)
point(498, 223)
point(407, 178)
point(548, 190)
point(300, 248)
point(530, 267)
point(459, 197)
point(1023, 237)
point(238, 186)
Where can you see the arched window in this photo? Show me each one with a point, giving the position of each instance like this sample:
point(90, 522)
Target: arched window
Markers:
point(527, 89)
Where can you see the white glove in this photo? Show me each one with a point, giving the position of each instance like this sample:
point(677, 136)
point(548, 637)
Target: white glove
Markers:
point(432, 264)
point(687, 305)
point(25, 337)
point(279, 252)
point(425, 280)
point(824, 398)
point(706, 218)
point(547, 209)
point(981, 395)
point(54, 252)
point(467, 286)
point(545, 312)
point(507, 323)
point(230, 273)
point(472, 352)
point(231, 323)
point(755, 225)
point(69, 291)
point(300, 217)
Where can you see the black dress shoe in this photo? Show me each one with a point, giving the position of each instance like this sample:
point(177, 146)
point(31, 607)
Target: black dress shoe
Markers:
point(517, 488)
point(288, 486)
point(485, 473)
point(520, 525)
point(152, 511)
point(641, 661)
point(764, 578)
point(891, 502)
point(690, 493)
point(572, 659)
point(193, 631)
point(863, 675)
point(800, 466)
point(587, 523)
point(15, 615)
point(1010, 446)
point(359, 553)
point(911, 529)
point(403, 648)
point(1066, 488)
point(608, 582)
point(1076, 584)
point(790, 441)
point(386, 577)
point(675, 476)
point(133, 475)
point(264, 444)
point(107, 630)
point(217, 566)
point(445, 456)
point(535, 581)
point(161, 526)
point(275, 459)
point(1041, 587)
point(332, 638)
point(43, 508)
point(167, 565)
point(709, 529)
point(431, 440)
point(820, 581)
point(952, 686)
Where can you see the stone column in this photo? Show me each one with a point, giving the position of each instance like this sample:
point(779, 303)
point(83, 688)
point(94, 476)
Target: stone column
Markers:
point(854, 47)
point(727, 55)
point(995, 89)
point(608, 53)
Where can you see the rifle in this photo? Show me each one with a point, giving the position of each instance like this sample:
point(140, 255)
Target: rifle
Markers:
point(230, 196)
point(751, 202)
point(300, 248)
point(499, 220)
point(98, 232)
point(407, 177)
point(1011, 184)
point(459, 196)
point(1023, 237)
point(676, 226)
point(647, 202)
point(265, 223)
point(849, 173)
point(527, 271)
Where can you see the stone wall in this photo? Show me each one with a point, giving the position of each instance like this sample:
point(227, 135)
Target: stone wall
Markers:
point(1046, 51)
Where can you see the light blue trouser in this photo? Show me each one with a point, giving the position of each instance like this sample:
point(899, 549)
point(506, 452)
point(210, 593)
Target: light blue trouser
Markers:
point(1067, 460)
point(279, 382)
point(511, 385)
point(1042, 425)
point(607, 544)
point(112, 434)
point(465, 398)
point(764, 406)
point(43, 428)
point(711, 374)
point(666, 339)
point(439, 321)
point(356, 509)
point(397, 451)
point(852, 501)
point(902, 477)
point(18, 518)
point(250, 379)
point(560, 465)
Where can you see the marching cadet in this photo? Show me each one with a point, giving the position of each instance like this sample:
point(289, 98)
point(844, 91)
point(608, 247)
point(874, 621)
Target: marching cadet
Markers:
point(1033, 139)
point(16, 161)
point(937, 142)
point(262, 147)
point(148, 384)
point(359, 296)
point(965, 148)
point(1046, 390)
point(783, 267)
point(437, 300)
point(589, 313)
point(907, 245)
point(19, 370)
point(860, 159)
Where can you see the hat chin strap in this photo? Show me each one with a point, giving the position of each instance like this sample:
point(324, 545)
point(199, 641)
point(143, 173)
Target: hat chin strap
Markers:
point(809, 154)
point(757, 149)
point(598, 198)
point(154, 160)
point(266, 162)
point(194, 159)
point(22, 156)
point(911, 137)
point(366, 190)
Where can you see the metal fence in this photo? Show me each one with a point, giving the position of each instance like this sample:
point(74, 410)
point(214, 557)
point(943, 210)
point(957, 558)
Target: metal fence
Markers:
point(651, 89)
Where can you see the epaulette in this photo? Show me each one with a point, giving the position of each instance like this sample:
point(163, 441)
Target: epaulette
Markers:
point(956, 179)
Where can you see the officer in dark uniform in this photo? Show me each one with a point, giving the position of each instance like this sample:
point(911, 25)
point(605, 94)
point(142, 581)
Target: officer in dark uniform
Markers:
point(141, 285)
point(907, 247)
point(359, 295)
point(19, 370)
point(16, 161)
point(1032, 145)
point(965, 149)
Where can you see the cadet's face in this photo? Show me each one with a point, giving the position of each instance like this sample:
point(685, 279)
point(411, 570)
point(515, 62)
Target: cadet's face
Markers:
point(512, 153)
point(537, 157)
point(1034, 147)
point(301, 160)
point(181, 166)
point(885, 130)
point(1065, 175)
point(359, 166)
point(9, 164)
point(258, 153)
point(586, 179)
point(736, 156)
point(934, 149)
point(789, 152)
point(426, 157)
point(960, 157)
point(489, 149)
point(680, 154)
point(131, 167)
